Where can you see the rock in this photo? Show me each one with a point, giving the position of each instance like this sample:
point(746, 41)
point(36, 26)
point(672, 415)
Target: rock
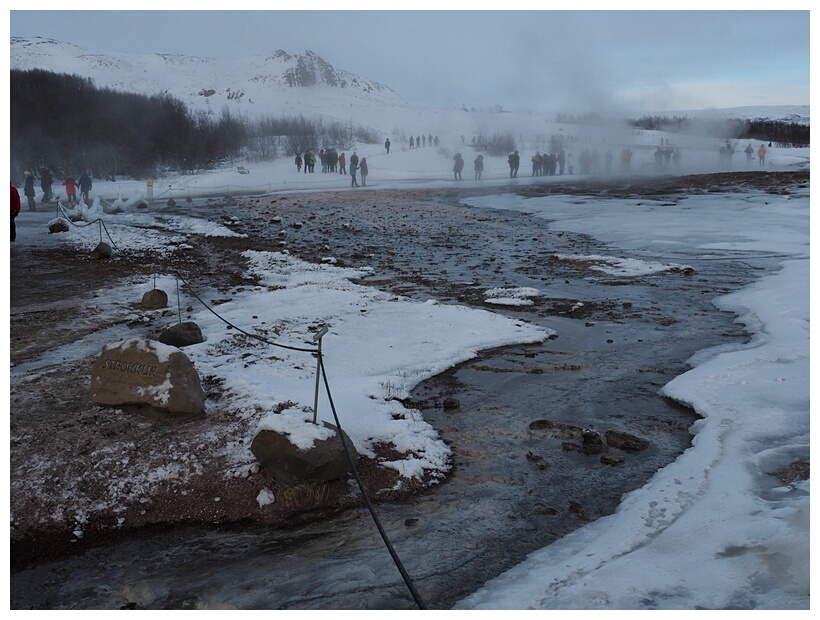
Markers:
point(539, 461)
point(612, 459)
point(451, 403)
point(103, 250)
point(625, 441)
point(182, 335)
point(289, 464)
point(146, 372)
point(592, 443)
point(561, 430)
point(155, 299)
point(58, 226)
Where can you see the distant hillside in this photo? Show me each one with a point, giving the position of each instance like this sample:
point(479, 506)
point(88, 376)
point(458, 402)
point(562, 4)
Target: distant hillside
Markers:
point(281, 83)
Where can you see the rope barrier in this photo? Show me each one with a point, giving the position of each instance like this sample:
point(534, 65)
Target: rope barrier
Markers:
point(318, 352)
point(84, 224)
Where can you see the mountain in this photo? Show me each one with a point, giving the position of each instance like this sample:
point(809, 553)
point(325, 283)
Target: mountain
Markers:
point(280, 83)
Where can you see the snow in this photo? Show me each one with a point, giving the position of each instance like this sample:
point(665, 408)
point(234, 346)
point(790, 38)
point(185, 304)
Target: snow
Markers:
point(710, 530)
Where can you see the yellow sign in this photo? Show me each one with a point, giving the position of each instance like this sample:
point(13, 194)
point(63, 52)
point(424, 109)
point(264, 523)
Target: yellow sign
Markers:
point(150, 182)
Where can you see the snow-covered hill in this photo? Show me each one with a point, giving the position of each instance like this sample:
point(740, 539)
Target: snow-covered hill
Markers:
point(280, 83)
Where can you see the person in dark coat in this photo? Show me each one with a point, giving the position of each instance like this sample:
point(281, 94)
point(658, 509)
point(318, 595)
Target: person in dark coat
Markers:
point(478, 164)
point(354, 166)
point(307, 161)
point(387, 145)
point(458, 166)
point(412, 142)
point(342, 168)
point(84, 183)
point(46, 179)
point(514, 160)
point(15, 210)
point(28, 190)
point(298, 162)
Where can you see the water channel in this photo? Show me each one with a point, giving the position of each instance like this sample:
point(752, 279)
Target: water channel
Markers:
point(518, 480)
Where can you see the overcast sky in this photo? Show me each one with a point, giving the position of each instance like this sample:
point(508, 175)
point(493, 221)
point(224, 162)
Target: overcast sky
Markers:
point(554, 60)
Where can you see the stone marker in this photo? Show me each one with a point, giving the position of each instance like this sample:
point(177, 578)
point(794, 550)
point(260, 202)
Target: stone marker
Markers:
point(290, 464)
point(57, 226)
point(146, 372)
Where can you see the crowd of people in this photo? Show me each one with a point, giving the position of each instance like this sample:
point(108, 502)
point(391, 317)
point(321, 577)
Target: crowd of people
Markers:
point(423, 141)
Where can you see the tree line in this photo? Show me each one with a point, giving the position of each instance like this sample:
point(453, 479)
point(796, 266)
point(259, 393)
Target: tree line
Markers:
point(64, 122)
point(781, 132)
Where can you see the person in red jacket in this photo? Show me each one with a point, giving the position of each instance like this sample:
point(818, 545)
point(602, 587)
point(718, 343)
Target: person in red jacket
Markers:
point(15, 210)
point(70, 189)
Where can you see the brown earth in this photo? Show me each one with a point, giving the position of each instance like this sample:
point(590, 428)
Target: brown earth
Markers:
point(60, 442)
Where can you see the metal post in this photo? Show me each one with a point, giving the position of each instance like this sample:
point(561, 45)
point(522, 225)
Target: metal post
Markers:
point(318, 340)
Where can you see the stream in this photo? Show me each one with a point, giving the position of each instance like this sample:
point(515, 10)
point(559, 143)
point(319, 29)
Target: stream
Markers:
point(520, 479)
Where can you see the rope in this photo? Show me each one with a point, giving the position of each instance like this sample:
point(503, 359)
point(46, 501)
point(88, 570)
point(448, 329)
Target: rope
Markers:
point(350, 459)
point(84, 224)
point(370, 508)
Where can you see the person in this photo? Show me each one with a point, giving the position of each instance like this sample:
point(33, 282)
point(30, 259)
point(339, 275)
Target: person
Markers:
point(436, 141)
point(761, 154)
point(749, 150)
point(15, 210)
point(412, 142)
point(478, 164)
point(430, 140)
point(676, 158)
point(387, 145)
point(354, 165)
point(458, 166)
point(514, 161)
point(307, 161)
point(323, 160)
point(418, 141)
point(28, 190)
point(85, 185)
point(46, 179)
point(536, 164)
point(561, 161)
point(342, 168)
point(298, 163)
point(70, 189)
point(363, 170)
point(570, 163)
point(311, 162)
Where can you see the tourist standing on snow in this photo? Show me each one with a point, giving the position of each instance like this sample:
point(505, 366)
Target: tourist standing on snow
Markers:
point(342, 168)
point(761, 155)
point(354, 165)
point(514, 161)
point(15, 210)
point(387, 145)
point(458, 166)
point(85, 185)
point(70, 189)
point(298, 162)
point(749, 150)
point(363, 171)
point(28, 190)
point(478, 164)
point(46, 179)
point(412, 143)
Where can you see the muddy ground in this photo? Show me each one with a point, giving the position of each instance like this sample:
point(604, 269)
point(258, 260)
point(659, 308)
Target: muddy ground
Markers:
point(57, 434)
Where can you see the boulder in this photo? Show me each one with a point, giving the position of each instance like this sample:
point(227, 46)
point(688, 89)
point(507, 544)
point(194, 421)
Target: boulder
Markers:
point(103, 250)
point(57, 226)
point(625, 441)
point(592, 443)
point(289, 464)
point(182, 334)
point(451, 403)
point(146, 372)
point(155, 299)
